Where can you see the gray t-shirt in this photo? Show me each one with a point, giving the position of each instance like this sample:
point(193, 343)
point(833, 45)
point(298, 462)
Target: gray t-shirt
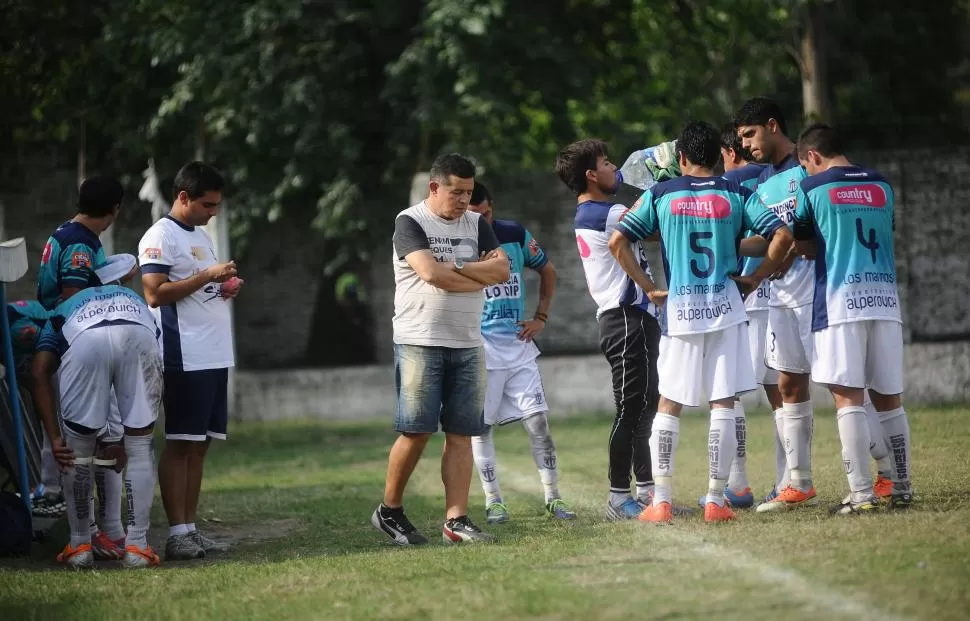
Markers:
point(423, 313)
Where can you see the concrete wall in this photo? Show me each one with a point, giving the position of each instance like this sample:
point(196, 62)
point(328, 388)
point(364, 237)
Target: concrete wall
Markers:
point(935, 373)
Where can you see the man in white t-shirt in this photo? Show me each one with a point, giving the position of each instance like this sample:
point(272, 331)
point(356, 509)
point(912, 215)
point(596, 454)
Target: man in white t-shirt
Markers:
point(183, 284)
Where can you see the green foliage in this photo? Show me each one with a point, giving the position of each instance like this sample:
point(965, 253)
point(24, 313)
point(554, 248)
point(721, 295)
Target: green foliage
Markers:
point(322, 111)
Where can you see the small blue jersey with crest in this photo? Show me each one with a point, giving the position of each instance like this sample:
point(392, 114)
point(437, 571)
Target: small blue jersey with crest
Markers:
point(777, 187)
point(747, 177)
point(92, 307)
point(69, 259)
point(850, 211)
point(505, 302)
point(701, 221)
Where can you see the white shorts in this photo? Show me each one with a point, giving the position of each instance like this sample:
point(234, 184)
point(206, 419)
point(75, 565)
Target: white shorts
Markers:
point(104, 361)
point(789, 341)
point(757, 337)
point(716, 364)
point(113, 430)
point(861, 354)
point(513, 394)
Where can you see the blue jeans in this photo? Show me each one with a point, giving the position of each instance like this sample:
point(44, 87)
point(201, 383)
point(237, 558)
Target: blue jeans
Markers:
point(439, 385)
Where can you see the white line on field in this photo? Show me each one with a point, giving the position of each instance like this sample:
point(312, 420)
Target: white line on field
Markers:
point(782, 580)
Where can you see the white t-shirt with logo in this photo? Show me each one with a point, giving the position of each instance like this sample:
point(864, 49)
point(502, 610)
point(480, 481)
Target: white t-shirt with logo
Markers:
point(196, 330)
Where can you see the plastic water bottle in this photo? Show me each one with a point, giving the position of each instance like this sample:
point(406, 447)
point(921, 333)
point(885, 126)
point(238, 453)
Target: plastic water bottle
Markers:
point(635, 172)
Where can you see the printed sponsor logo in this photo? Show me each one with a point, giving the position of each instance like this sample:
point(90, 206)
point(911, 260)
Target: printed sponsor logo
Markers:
point(534, 247)
point(703, 206)
point(45, 257)
point(80, 259)
point(867, 194)
point(152, 254)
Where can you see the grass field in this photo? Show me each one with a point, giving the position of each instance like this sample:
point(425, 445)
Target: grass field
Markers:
point(296, 498)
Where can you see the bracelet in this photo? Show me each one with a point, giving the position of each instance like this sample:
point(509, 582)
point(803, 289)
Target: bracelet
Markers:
point(541, 317)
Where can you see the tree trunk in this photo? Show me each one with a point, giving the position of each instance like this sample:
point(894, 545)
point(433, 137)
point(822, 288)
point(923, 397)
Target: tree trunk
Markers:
point(814, 65)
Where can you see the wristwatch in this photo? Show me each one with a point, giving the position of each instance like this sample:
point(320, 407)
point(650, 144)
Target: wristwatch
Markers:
point(459, 264)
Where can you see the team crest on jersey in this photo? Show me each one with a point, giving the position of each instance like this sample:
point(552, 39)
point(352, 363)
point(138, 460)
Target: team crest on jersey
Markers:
point(534, 247)
point(792, 186)
point(80, 259)
point(46, 255)
point(153, 254)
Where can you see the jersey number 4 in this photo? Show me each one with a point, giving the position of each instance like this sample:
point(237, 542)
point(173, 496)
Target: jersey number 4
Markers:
point(870, 244)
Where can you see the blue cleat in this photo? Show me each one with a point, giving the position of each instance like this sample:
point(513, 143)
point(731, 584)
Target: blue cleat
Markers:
point(629, 510)
point(743, 500)
point(558, 509)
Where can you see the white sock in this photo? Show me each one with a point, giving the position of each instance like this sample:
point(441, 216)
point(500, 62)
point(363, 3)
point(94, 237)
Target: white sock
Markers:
point(92, 509)
point(109, 485)
point(782, 476)
point(77, 487)
point(854, 433)
point(178, 529)
point(50, 476)
point(543, 453)
point(738, 479)
point(722, 446)
point(664, 436)
point(798, 443)
point(483, 450)
point(895, 428)
point(139, 487)
point(644, 490)
point(877, 443)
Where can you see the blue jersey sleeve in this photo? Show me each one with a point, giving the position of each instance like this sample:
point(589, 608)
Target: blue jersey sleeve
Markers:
point(51, 340)
point(76, 266)
point(804, 223)
point(641, 221)
point(757, 217)
point(535, 257)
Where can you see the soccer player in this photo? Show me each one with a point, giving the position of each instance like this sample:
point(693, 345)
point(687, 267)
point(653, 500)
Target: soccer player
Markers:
point(513, 389)
point(850, 214)
point(761, 126)
point(626, 313)
point(183, 285)
point(700, 219)
point(102, 341)
point(68, 263)
point(739, 168)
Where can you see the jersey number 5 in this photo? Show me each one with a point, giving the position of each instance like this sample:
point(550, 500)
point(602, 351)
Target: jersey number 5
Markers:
point(695, 245)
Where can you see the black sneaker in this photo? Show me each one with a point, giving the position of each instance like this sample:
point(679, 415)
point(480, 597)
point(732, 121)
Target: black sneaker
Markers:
point(397, 526)
point(900, 500)
point(461, 529)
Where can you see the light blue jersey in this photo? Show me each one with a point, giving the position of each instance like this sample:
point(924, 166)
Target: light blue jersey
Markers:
point(505, 303)
point(777, 187)
point(850, 211)
point(747, 177)
point(701, 221)
point(89, 308)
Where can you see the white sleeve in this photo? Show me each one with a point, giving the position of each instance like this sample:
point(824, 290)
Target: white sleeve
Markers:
point(613, 218)
point(156, 252)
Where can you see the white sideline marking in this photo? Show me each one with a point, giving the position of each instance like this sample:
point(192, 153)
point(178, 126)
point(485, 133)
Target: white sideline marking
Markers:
point(782, 579)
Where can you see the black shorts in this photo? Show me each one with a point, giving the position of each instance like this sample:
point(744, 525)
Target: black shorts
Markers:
point(196, 404)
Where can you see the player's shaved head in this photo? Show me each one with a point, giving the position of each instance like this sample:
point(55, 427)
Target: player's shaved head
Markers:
point(821, 138)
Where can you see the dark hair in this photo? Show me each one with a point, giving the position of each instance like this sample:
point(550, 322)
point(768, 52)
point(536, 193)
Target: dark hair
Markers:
point(574, 160)
point(758, 111)
point(700, 144)
point(197, 178)
point(99, 195)
point(448, 164)
point(822, 138)
point(479, 194)
point(730, 139)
